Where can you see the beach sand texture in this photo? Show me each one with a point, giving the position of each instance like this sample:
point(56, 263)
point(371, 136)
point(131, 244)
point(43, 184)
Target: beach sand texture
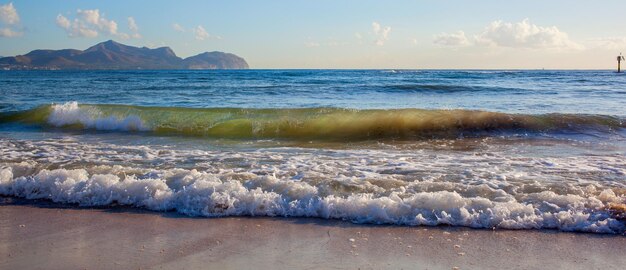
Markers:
point(44, 235)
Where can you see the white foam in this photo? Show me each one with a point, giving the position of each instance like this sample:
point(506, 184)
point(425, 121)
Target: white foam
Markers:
point(71, 114)
point(416, 187)
point(205, 194)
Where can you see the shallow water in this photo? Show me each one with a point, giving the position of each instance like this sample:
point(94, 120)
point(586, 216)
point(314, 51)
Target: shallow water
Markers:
point(484, 149)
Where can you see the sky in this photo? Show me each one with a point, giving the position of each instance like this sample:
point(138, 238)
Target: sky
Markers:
point(442, 34)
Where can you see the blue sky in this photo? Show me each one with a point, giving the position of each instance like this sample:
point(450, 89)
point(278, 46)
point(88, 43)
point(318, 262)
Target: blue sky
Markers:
point(335, 34)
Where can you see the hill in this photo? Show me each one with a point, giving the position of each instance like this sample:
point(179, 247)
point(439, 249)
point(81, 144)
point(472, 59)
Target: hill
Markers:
point(114, 55)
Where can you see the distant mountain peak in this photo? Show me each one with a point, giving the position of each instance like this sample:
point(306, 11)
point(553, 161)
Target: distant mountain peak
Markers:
point(108, 45)
point(214, 60)
point(165, 50)
point(114, 55)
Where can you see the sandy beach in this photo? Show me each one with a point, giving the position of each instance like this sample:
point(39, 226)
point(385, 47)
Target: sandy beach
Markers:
point(44, 235)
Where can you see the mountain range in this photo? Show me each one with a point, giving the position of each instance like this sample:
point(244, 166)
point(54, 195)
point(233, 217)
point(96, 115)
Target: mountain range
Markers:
point(113, 55)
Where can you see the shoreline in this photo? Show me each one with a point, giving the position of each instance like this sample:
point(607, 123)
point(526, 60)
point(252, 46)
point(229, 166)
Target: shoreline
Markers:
point(42, 234)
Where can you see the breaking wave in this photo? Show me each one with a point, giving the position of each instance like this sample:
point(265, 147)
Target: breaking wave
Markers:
point(308, 123)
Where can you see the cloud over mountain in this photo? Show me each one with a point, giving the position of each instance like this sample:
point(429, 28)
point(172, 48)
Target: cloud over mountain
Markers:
point(200, 33)
point(91, 23)
point(8, 19)
point(8, 14)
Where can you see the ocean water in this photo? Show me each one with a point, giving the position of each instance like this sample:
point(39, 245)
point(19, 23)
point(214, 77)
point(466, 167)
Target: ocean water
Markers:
point(483, 149)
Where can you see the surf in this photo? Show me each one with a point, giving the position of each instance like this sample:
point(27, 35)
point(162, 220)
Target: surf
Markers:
point(479, 189)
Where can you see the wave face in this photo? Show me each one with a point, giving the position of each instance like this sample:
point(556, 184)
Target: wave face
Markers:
point(309, 124)
point(488, 189)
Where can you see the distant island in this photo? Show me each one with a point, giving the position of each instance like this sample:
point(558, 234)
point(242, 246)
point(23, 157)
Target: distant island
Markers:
point(111, 55)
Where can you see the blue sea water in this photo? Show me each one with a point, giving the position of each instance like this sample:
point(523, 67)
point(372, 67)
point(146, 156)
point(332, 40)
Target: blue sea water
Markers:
point(513, 91)
point(514, 149)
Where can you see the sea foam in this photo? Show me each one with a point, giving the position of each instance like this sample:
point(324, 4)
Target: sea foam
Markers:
point(71, 113)
point(211, 195)
point(363, 186)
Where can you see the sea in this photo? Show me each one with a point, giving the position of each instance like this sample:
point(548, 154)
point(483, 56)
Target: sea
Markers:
point(486, 149)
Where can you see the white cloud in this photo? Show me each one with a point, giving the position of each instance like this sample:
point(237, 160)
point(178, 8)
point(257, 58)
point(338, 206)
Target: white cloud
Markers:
point(9, 17)
point(381, 33)
point(201, 33)
point(414, 41)
point(92, 17)
point(76, 29)
point(451, 39)
point(8, 14)
point(8, 32)
point(376, 27)
point(198, 32)
point(134, 29)
point(132, 25)
point(525, 35)
point(521, 34)
point(63, 22)
point(91, 23)
point(178, 28)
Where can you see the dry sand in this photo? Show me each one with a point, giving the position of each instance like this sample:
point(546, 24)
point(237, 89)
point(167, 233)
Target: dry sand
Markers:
point(43, 235)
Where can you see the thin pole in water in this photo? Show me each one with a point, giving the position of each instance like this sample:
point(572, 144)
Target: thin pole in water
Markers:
point(620, 58)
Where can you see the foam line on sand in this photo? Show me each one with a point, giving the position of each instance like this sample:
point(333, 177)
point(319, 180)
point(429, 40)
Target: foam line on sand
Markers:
point(38, 235)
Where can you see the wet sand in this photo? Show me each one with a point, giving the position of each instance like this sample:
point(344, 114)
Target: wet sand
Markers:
point(44, 235)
